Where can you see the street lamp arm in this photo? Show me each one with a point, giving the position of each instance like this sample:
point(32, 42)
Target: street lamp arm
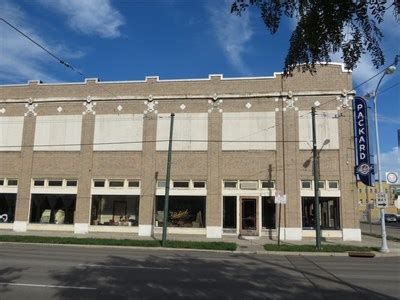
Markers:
point(377, 87)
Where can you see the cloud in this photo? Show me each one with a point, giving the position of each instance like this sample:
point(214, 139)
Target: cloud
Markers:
point(20, 59)
point(390, 161)
point(232, 32)
point(90, 17)
point(365, 69)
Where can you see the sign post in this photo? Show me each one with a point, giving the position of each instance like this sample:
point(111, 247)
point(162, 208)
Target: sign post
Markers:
point(370, 207)
point(280, 198)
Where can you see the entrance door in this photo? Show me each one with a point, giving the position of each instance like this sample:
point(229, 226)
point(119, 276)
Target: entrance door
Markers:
point(248, 216)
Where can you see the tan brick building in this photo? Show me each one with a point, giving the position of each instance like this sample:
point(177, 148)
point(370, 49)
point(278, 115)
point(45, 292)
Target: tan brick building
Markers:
point(367, 195)
point(91, 157)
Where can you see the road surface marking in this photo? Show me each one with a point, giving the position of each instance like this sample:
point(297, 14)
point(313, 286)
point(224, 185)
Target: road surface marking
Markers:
point(123, 267)
point(48, 286)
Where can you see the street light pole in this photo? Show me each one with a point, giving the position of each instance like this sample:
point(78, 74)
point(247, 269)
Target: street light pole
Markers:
point(316, 182)
point(389, 70)
point(167, 181)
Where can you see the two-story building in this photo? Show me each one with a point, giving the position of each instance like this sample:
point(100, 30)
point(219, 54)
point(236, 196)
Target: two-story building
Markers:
point(91, 156)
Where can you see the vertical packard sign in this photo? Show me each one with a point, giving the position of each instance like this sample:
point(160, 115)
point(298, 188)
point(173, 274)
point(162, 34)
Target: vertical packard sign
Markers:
point(363, 165)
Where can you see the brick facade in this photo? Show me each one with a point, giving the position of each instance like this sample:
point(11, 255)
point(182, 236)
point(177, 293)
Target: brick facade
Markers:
point(286, 165)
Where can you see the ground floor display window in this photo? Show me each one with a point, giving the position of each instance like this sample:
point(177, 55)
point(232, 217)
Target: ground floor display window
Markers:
point(229, 215)
point(268, 213)
point(52, 208)
point(7, 207)
point(183, 211)
point(117, 210)
point(329, 212)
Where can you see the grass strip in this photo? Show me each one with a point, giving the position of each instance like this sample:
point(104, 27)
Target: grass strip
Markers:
point(312, 248)
point(388, 237)
point(116, 242)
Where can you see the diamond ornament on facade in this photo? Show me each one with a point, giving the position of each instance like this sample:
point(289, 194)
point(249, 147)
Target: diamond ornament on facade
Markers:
point(89, 106)
point(31, 108)
point(215, 104)
point(59, 109)
point(151, 105)
point(182, 107)
point(290, 103)
point(248, 105)
point(119, 107)
point(2, 110)
point(344, 99)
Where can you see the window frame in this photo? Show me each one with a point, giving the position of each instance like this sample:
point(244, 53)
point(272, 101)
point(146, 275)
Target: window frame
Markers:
point(321, 184)
point(306, 181)
point(95, 181)
point(35, 181)
point(199, 181)
point(229, 187)
point(12, 180)
point(337, 185)
point(131, 181)
point(50, 183)
point(120, 183)
point(181, 181)
point(267, 181)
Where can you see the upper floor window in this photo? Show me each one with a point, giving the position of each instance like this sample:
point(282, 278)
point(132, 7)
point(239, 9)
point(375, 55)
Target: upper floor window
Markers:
point(133, 183)
point(334, 185)
point(12, 182)
point(199, 184)
point(306, 184)
point(230, 184)
point(268, 184)
point(181, 184)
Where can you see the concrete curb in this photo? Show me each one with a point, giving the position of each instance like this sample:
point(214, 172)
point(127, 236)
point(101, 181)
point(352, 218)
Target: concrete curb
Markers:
point(277, 253)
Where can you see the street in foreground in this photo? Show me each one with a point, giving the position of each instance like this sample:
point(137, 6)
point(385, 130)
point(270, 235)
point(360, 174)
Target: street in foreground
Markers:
point(66, 272)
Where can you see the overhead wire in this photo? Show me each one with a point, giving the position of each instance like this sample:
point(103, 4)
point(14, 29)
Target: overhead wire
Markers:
point(69, 66)
point(60, 60)
point(144, 142)
point(57, 58)
point(389, 88)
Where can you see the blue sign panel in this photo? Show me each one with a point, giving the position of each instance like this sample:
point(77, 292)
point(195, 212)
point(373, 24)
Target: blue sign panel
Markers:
point(364, 170)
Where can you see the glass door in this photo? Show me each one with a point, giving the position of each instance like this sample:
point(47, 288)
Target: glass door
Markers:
point(248, 216)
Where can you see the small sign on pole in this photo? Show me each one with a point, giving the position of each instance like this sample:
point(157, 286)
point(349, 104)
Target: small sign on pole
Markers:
point(280, 198)
point(392, 177)
point(381, 200)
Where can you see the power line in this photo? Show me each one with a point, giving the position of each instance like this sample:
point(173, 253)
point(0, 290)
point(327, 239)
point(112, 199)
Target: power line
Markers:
point(372, 77)
point(63, 62)
point(144, 142)
point(390, 87)
point(60, 60)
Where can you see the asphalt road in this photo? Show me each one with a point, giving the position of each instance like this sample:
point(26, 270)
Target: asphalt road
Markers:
point(66, 272)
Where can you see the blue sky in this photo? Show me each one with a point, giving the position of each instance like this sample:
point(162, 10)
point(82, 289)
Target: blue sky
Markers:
point(128, 40)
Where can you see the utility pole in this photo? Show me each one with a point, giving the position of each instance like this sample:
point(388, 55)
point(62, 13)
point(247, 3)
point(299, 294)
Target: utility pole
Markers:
point(316, 182)
point(167, 181)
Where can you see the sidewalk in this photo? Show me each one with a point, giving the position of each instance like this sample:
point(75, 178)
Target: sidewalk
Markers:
point(245, 245)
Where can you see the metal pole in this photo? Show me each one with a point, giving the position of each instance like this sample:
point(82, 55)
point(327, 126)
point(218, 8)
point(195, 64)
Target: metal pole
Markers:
point(384, 246)
point(279, 226)
point(316, 182)
point(167, 180)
